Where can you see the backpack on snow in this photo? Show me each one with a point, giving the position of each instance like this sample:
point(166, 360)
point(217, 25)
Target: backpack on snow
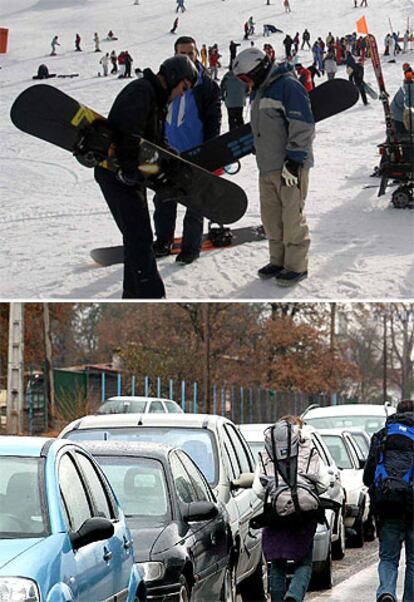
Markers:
point(290, 495)
point(393, 487)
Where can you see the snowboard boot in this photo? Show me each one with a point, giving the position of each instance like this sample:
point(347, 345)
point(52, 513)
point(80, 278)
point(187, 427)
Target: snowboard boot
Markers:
point(161, 249)
point(187, 257)
point(289, 278)
point(269, 271)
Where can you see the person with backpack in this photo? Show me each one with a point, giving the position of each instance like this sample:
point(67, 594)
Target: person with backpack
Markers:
point(389, 474)
point(289, 477)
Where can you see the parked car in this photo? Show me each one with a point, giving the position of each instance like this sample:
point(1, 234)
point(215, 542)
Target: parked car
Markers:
point(329, 541)
point(357, 507)
point(133, 404)
point(63, 535)
point(222, 454)
point(362, 440)
point(182, 537)
point(367, 417)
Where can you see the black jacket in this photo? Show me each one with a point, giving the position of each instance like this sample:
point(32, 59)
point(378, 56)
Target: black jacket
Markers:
point(208, 101)
point(139, 110)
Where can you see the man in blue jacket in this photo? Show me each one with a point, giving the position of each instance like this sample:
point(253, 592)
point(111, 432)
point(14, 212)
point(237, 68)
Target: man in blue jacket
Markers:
point(283, 129)
point(191, 120)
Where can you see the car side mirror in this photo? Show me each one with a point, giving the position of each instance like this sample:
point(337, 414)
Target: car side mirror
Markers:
point(362, 463)
point(199, 511)
point(93, 529)
point(245, 481)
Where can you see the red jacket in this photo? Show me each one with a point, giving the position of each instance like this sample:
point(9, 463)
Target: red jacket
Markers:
point(305, 78)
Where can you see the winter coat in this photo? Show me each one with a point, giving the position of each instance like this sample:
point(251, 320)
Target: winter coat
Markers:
point(401, 101)
point(196, 116)
point(233, 91)
point(138, 110)
point(399, 452)
point(305, 78)
point(282, 121)
point(287, 541)
point(330, 62)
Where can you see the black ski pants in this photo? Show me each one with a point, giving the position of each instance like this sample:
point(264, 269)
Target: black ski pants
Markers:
point(128, 205)
point(235, 117)
point(165, 216)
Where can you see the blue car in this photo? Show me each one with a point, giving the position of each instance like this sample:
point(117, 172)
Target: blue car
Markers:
point(63, 535)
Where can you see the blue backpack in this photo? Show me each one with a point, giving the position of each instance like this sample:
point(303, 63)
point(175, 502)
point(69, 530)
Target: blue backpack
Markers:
point(393, 487)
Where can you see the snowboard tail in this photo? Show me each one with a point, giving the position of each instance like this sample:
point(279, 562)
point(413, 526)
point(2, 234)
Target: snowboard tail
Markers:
point(106, 256)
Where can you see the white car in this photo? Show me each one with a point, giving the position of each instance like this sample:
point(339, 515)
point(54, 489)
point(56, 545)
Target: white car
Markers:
point(134, 404)
point(329, 541)
point(348, 458)
point(368, 417)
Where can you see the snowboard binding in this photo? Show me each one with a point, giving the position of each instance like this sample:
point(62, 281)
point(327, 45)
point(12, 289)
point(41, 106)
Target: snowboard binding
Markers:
point(94, 144)
point(220, 236)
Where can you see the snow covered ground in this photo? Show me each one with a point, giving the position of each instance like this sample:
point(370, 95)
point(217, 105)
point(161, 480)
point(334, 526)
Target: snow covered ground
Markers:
point(52, 212)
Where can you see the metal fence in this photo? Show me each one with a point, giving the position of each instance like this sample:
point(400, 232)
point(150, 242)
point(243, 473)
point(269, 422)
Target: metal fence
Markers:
point(240, 404)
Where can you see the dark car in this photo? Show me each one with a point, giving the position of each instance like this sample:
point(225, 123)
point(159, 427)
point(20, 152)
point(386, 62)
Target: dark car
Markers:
point(182, 537)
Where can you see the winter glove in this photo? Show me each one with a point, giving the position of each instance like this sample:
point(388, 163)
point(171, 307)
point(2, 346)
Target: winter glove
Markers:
point(290, 172)
point(130, 178)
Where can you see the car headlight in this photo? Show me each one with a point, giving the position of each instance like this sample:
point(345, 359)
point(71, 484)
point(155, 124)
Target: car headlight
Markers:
point(17, 589)
point(151, 570)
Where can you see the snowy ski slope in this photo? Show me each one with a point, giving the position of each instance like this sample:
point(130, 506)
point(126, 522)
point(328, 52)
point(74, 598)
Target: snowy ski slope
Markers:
point(52, 212)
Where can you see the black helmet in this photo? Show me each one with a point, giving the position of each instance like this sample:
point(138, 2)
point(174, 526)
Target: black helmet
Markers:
point(177, 68)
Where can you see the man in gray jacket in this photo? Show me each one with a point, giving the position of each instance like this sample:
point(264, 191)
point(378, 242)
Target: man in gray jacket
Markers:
point(283, 129)
point(233, 92)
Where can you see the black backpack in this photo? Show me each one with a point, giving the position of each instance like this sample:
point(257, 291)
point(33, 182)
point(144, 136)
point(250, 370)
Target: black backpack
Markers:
point(393, 487)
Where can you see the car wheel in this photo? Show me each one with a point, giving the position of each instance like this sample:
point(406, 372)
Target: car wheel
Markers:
point(338, 546)
point(323, 579)
point(185, 592)
point(357, 539)
point(255, 587)
point(229, 590)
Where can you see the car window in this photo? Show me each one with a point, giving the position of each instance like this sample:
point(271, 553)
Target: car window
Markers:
point(20, 503)
point(141, 488)
point(73, 493)
point(362, 444)
point(239, 446)
point(199, 443)
point(370, 424)
point(156, 407)
point(200, 486)
point(256, 447)
point(182, 482)
point(172, 407)
point(353, 450)
point(321, 449)
point(233, 466)
point(338, 451)
point(94, 482)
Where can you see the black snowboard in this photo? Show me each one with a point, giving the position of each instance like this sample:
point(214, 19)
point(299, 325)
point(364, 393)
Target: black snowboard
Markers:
point(327, 99)
point(106, 256)
point(47, 113)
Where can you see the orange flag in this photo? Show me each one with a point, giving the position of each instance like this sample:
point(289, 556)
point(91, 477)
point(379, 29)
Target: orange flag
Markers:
point(362, 26)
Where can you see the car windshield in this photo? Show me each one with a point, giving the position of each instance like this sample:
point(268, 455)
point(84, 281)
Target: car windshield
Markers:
point(338, 450)
point(125, 406)
point(141, 488)
point(21, 514)
point(199, 443)
point(370, 424)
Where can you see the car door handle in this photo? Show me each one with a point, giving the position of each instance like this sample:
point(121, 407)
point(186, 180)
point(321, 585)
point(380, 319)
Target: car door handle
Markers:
point(127, 543)
point(107, 555)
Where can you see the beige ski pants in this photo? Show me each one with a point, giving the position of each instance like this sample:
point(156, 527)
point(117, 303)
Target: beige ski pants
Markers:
point(283, 220)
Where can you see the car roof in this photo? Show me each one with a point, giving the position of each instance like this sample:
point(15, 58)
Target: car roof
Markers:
point(145, 449)
point(334, 431)
point(349, 410)
point(33, 447)
point(207, 421)
point(137, 398)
